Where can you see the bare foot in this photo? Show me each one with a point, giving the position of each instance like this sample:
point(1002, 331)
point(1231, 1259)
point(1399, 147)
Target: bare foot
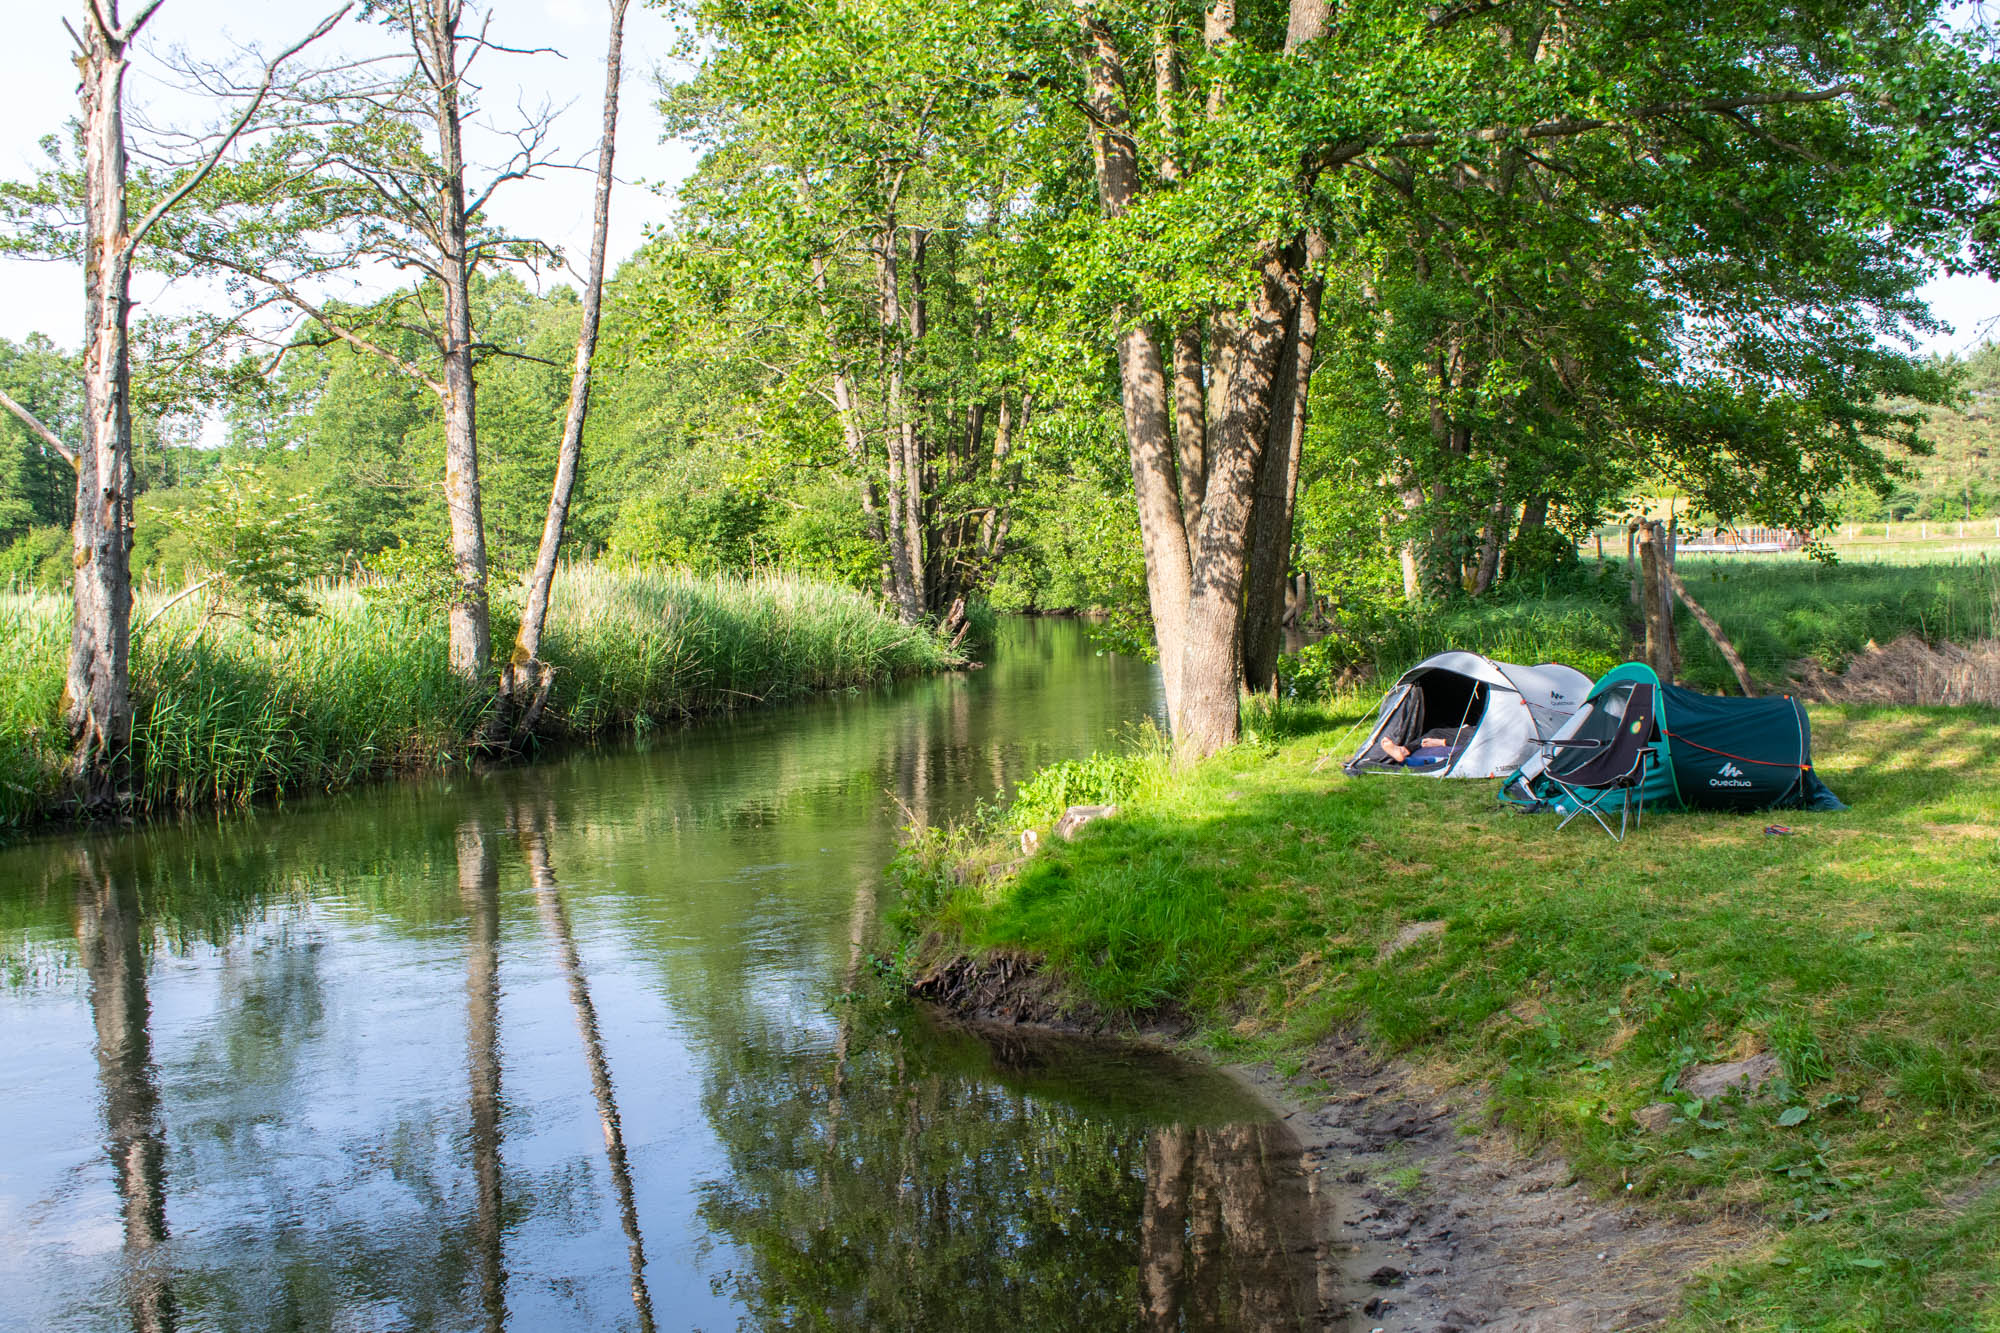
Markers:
point(1396, 752)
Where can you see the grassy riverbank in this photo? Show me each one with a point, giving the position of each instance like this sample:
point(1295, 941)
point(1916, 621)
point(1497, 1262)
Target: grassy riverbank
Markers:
point(228, 715)
point(1577, 978)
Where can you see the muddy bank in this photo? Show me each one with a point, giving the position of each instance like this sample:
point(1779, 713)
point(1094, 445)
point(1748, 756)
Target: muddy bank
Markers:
point(1423, 1219)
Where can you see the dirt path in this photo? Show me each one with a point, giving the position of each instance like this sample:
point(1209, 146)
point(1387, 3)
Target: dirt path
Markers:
point(1436, 1224)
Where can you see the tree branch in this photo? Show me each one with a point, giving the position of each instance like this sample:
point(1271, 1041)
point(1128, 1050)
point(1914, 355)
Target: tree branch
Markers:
point(327, 322)
point(193, 183)
point(34, 423)
point(1339, 155)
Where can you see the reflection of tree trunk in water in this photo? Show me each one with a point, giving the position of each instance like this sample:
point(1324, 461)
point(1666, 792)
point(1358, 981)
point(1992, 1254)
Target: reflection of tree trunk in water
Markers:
point(1205, 1242)
point(1252, 1204)
point(1162, 1260)
point(107, 937)
point(555, 917)
point(479, 891)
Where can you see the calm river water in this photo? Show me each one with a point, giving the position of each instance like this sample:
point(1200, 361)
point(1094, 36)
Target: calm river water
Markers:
point(580, 1045)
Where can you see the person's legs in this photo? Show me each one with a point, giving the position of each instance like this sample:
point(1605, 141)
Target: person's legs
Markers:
point(1396, 752)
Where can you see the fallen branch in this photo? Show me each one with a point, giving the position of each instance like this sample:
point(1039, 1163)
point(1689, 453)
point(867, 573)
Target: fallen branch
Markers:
point(1715, 633)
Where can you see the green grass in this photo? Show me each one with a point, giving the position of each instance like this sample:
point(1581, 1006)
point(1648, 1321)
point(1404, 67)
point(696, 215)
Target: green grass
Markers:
point(1577, 977)
point(1777, 610)
point(362, 689)
point(1780, 611)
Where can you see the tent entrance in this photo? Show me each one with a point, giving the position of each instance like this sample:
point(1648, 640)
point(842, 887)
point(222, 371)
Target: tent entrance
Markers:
point(1441, 702)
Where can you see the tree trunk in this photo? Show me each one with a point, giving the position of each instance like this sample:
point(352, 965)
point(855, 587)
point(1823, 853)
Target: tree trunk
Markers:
point(98, 690)
point(914, 462)
point(1190, 425)
point(479, 896)
point(1004, 475)
point(1142, 380)
point(1278, 486)
point(1212, 668)
point(471, 631)
point(905, 540)
point(1489, 546)
point(1534, 517)
point(847, 409)
point(524, 664)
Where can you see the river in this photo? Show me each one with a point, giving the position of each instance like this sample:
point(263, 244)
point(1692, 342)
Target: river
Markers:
point(589, 1044)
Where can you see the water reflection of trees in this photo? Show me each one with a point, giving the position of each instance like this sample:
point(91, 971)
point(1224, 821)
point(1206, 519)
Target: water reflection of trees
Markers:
point(532, 822)
point(885, 1192)
point(402, 1209)
point(479, 890)
point(109, 946)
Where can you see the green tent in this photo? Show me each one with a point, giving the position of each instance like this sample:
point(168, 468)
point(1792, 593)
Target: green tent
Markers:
point(1708, 752)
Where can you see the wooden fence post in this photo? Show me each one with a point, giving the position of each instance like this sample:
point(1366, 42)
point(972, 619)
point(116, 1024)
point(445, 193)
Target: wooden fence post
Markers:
point(1656, 606)
point(1632, 572)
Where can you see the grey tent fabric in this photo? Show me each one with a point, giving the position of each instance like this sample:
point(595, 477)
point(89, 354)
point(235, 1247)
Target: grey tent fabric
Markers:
point(1496, 714)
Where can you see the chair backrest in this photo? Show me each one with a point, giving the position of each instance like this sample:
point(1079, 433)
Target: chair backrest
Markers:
point(1620, 760)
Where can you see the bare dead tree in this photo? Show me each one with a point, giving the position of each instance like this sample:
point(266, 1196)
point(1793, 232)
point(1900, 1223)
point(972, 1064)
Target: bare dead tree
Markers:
point(368, 170)
point(98, 689)
point(525, 670)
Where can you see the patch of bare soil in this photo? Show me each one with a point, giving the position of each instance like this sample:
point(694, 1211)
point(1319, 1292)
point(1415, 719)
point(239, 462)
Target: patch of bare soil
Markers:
point(1909, 671)
point(1012, 989)
point(1446, 1230)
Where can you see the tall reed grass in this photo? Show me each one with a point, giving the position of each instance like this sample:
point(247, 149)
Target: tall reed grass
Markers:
point(226, 714)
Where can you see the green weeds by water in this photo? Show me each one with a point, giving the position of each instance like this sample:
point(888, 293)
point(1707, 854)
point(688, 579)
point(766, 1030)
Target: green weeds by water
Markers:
point(226, 714)
point(1578, 978)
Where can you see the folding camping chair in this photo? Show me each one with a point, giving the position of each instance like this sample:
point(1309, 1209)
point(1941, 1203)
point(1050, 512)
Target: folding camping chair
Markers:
point(1602, 767)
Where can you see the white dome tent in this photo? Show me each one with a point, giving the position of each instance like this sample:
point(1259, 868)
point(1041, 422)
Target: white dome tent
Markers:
point(1496, 715)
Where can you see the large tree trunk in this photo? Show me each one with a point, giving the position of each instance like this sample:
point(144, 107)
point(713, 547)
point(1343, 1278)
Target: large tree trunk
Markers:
point(471, 631)
point(98, 691)
point(1211, 668)
point(1278, 484)
point(1247, 345)
point(1142, 380)
point(524, 668)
